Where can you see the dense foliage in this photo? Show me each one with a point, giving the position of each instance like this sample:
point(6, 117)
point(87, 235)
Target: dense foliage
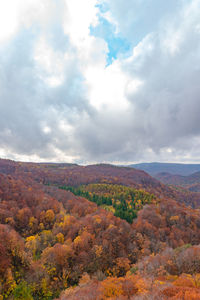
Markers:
point(123, 201)
point(55, 244)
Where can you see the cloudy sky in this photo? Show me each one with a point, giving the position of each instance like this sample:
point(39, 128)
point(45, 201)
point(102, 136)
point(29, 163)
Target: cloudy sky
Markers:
point(100, 80)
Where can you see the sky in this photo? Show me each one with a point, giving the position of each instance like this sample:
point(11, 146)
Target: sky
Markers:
point(89, 81)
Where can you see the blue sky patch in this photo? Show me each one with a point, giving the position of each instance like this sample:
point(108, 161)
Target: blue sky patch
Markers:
point(117, 45)
point(103, 7)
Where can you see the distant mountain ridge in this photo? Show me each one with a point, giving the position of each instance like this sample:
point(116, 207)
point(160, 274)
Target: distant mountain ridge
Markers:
point(190, 182)
point(172, 168)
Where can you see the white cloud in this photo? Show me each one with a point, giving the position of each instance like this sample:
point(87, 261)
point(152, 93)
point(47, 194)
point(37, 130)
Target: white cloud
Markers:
point(78, 18)
point(9, 18)
point(50, 64)
point(18, 13)
point(107, 87)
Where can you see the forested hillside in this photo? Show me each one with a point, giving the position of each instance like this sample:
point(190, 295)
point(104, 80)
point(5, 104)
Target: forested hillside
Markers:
point(191, 182)
point(95, 232)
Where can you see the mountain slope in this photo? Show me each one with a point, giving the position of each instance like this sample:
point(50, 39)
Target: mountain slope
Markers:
point(191, 182)
point(75, 175)
point(52, 240)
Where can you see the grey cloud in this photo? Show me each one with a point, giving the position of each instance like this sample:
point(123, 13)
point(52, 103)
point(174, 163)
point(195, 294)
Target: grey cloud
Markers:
point(168, 102)
point(164, 112)
point(137, 18)
point(26, 102)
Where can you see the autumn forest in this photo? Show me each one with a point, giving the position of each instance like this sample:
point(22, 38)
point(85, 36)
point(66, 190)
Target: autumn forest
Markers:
point(96, 232)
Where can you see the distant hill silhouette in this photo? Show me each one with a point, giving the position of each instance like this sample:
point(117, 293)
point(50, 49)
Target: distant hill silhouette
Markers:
point(172, 168)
